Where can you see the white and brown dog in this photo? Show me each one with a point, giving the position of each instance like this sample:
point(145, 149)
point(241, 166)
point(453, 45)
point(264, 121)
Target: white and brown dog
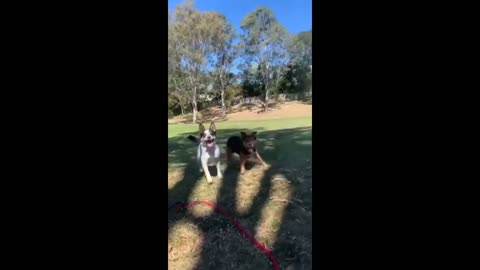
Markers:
point(208, 153)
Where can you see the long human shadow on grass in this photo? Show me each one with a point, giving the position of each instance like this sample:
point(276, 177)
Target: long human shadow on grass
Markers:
point(184, 187)
point(281, 149)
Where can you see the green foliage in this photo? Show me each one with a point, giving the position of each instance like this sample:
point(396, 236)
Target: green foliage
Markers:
point(252, 82)
point(232, 91)
point(296, 77)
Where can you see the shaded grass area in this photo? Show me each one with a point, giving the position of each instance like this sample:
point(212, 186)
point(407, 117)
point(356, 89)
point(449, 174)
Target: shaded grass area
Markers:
point(268, 124)
point(273, 203)
point(181, 151)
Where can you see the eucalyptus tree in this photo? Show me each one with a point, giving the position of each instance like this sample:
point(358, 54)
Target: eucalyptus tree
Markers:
point(192, 36)
point(263, 44)
point(224, 52)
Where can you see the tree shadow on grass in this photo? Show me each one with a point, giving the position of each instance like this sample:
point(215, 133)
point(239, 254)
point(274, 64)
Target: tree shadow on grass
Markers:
point(184, 187)
point(282, 149)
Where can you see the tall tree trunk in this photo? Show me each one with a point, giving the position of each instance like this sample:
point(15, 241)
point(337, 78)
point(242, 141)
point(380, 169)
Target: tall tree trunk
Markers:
point(224, 109)
point(266, 99)
point(194, 104)
point(222, 93)
point(266, 92)
point(180, 104)
point(267, 85)
point(194, 109)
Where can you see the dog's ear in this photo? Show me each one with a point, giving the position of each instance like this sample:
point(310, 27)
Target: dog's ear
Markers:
point(243, 134)
point(201, 128)
point(213, 128)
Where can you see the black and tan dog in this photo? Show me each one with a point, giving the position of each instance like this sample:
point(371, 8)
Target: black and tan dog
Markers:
point(246, 147)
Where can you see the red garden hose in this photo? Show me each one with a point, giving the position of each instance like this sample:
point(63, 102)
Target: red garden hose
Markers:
point(242, 230)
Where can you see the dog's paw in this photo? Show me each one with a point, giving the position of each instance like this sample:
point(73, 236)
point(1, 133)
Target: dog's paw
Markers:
point(220, 176)
point(209, 180)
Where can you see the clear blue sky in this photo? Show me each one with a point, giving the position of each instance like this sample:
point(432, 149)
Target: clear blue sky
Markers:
point(296, 15)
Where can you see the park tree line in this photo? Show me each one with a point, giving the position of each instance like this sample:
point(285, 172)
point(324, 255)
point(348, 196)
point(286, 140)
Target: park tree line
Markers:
point(204, 48)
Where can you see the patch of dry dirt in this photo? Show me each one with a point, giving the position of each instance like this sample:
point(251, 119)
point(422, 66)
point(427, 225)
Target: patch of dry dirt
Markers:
point(286, 110)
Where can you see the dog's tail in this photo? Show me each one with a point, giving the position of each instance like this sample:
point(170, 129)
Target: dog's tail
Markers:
point(192, 138)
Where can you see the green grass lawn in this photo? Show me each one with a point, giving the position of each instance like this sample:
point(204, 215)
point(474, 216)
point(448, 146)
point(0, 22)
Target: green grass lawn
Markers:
point(273, 203)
